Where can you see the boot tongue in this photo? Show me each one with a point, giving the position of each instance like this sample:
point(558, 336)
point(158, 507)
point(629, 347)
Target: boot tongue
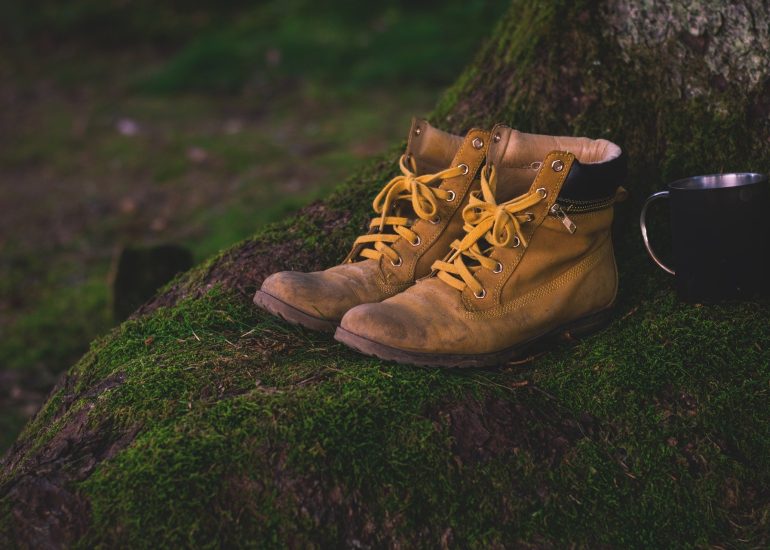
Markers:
point(431, 149)
point(517, 158)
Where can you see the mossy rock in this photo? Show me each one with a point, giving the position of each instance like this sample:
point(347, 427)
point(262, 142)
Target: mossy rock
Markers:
point(203, 422)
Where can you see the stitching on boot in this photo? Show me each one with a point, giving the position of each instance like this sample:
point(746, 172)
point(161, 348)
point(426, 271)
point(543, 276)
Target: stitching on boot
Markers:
point(569, 275)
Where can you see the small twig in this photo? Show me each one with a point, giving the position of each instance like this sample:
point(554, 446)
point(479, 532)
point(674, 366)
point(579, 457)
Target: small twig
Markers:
point(630, 313)
point(548, 395)
point(306, 380)
point(526, 360)
point(334, 369)
point(513, 385)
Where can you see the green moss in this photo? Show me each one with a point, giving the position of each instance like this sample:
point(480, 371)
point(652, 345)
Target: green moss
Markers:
point(227, 397)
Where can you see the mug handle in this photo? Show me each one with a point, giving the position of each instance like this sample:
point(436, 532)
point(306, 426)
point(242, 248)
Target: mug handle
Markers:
point(643, 225)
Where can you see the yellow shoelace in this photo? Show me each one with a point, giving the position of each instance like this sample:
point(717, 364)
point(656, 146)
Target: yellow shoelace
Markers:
point(423, 197)
point(499, 225)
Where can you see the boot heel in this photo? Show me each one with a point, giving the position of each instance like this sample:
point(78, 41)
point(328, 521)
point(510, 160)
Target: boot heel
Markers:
point(587, 325)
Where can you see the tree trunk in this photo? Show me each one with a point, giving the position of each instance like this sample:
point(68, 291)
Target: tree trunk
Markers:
point(201, 421)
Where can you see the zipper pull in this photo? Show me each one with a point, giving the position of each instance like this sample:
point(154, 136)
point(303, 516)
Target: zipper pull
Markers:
point(557, 211)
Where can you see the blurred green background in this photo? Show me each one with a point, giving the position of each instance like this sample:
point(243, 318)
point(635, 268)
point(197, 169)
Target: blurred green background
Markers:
point(138, 122)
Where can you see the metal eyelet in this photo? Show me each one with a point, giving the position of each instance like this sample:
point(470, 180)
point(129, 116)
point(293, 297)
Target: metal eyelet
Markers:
point(480, 296)
point(516, 242)
point(477, 143)
point(542, 192)
point(464, 167)
point(416, 242)
point(452, 196)
point(498, 268)
point(557, 165)
point(417, 131)
point(530, 216)
point(497, 137)
point(396, 264)
point(435, 219)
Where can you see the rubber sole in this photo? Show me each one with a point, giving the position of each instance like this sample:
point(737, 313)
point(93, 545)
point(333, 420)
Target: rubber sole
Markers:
point(575, 329)
point(289, 313)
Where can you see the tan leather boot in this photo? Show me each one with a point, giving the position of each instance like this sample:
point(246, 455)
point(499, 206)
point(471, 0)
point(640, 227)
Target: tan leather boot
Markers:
point(419, 215)
point(536, 261)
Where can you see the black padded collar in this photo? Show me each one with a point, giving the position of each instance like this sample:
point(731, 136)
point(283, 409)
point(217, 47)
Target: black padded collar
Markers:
point(595, 181)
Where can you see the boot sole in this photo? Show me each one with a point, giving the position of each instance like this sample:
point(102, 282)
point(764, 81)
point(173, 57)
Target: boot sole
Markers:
point(289, 313)
point(575, 329)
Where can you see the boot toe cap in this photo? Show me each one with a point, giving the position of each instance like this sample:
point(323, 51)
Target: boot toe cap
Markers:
point(308, 292)
point(377, 322)
point(389, 325)
point(427, 318)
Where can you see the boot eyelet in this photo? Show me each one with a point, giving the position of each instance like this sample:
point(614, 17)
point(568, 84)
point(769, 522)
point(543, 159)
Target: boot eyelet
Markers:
point(530, 216)
point(516, 242)
point(435, 219)
point(497, 137)
point(542, 192)
point(481, 294)
point(498, 268)
point(464, 167)
point(416, 242)
point(396, 263)
point(452, 196)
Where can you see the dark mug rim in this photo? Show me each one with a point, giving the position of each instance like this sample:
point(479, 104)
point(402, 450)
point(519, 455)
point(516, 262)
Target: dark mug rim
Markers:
point(718, 181)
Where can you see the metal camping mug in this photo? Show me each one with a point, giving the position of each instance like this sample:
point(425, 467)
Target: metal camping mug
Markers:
point(720, 233)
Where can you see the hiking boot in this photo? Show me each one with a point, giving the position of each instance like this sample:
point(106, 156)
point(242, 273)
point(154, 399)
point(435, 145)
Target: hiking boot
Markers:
point(536, 261)
point(419, 214)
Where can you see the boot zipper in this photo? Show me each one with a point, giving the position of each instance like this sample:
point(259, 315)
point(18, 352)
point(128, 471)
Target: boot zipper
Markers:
point(558, 212)
point(580, 207)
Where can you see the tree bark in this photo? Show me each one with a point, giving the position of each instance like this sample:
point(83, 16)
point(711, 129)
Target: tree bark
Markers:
point(683, 87)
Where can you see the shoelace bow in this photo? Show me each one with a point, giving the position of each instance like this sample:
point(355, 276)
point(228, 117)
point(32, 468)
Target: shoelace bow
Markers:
point(499, 225)
point(423, 197)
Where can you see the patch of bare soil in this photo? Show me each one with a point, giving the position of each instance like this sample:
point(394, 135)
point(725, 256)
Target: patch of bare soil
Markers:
point(485, 430)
